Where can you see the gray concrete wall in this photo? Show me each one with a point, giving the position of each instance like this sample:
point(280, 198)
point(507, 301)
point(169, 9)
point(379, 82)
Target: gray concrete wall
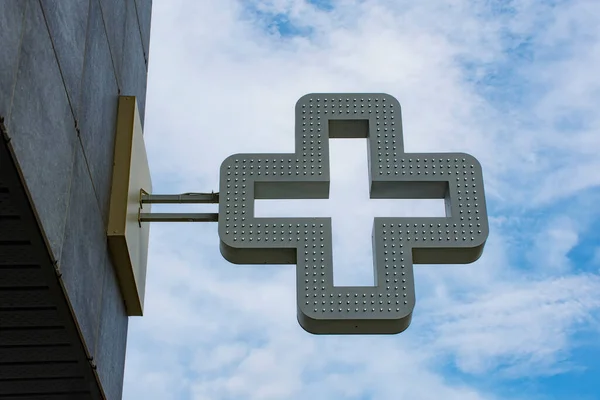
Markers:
point(64, 63)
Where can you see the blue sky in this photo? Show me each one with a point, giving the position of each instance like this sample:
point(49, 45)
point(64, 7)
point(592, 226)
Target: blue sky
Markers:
point(512, 82)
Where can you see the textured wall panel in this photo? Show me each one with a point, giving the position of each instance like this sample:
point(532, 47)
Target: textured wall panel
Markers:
point(112, 339)
point(61, 58)
point(11, 24)
point(398, 243)
point(84, 252)
point(98, 115)
point(67, 23)
point(133, 65)
point(144, 13)
point(114, 13)
point(42, 127)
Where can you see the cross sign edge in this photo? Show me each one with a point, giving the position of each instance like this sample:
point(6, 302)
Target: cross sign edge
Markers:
point(398, 243)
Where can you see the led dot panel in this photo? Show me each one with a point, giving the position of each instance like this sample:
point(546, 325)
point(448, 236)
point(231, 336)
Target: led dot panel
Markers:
point(398, 243)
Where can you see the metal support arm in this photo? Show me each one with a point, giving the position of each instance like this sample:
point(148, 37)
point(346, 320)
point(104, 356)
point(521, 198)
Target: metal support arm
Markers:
point(185, 198)
point(179, 217)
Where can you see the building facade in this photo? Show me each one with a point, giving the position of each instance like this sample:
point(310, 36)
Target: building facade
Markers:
point(63, 323)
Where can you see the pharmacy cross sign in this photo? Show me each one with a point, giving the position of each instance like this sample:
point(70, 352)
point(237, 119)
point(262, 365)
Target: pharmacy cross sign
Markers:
point(398, 243)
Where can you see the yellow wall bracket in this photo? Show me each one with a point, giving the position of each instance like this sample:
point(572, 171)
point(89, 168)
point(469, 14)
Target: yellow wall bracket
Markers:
point(127, 238)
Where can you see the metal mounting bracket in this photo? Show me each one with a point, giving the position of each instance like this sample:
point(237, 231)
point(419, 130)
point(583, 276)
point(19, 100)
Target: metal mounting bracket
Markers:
point(184, 198)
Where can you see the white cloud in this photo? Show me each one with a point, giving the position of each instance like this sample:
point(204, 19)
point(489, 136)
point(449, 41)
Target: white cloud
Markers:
point(552, 244)
point(219, 84)
point(523, 327)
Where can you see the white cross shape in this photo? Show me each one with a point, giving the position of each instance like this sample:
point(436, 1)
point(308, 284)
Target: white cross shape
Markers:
point(398, 243)
point(349, 195)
